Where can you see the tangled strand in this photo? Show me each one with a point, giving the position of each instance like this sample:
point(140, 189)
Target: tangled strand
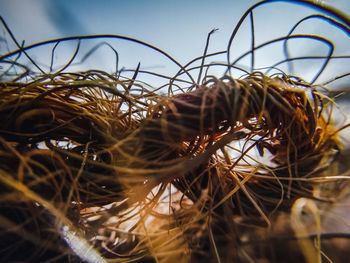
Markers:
point(207, 172)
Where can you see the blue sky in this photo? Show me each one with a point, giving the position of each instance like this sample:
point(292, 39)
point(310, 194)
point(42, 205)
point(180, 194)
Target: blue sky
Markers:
point(178, 27)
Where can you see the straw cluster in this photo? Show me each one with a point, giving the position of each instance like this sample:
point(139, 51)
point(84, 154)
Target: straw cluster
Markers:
point(100, 167)
point(88, 151)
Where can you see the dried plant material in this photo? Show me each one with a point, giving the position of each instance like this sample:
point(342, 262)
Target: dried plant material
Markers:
point(229, 169)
